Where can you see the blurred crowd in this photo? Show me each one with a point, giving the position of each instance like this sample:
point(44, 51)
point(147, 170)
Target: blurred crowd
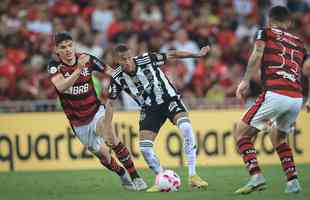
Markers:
point(27, 27)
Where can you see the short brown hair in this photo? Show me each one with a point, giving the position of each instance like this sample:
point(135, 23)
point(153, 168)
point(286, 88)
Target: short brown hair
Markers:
point(279, 13)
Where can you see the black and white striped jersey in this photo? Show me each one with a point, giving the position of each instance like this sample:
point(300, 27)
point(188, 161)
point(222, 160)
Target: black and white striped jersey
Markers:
point(148, 86)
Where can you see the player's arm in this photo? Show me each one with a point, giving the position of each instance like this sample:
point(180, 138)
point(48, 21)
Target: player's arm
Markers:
point(62, 83)
point(252, 68)
point(253, 63)
point(306, 72)
point(186, 54)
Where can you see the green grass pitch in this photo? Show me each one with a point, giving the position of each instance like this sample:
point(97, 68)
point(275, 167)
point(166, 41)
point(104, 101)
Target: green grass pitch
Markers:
point(101, 184)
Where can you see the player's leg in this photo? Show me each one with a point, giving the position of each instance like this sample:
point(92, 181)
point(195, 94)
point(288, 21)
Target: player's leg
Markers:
point(279, 140)
point(107, 160)
point(181, 120)
point(146, 144)
point(95, 144)
point(105, 128)
point(248, 127)
point(244, 136)
point(149, 125)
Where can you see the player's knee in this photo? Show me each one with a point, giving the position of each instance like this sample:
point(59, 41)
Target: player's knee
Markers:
point(278, 137)
point(184, 124)
point(244, 130)
point(112, 140)
point(146, 147)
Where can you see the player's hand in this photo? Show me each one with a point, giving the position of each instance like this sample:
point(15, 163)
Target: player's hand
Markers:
point(109, 70)
point(243, 89)
point(307, 105)
point(82, 60)
point(203, 51)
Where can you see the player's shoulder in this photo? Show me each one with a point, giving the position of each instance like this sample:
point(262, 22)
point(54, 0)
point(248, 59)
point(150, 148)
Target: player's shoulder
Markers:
point(53, 65)
point(117, 72)
point(53, 61)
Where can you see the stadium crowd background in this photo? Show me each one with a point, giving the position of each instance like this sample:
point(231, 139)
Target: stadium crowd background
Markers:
point(27, 27)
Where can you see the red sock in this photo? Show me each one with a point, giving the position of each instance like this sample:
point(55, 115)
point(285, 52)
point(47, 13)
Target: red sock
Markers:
point(124, 157)
point(113, 166)
point(248, 153)
point(287, 161)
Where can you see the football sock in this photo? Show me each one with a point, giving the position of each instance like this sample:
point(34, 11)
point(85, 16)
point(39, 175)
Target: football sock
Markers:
point(287, 161)
point(124, 157)
point(248, 153)
point(146, 148)
point(189, 144)
point(112, 165)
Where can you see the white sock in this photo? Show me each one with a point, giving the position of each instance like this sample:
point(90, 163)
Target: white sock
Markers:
point(189, 144)
point(147, 150)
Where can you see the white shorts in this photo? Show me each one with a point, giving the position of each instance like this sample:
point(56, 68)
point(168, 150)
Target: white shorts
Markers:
point(87, 133)
point(274, 109)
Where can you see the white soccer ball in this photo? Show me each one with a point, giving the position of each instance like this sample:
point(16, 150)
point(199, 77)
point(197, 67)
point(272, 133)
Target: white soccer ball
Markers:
point(168, 181)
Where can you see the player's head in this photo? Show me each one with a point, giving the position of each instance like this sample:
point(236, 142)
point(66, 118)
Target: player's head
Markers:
point(279, 16)
point(64, 45)
point(123, 56)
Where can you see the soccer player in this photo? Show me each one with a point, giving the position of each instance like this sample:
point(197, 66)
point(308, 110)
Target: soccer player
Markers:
point(142, 78)
point(71, 74)
point(281, 56)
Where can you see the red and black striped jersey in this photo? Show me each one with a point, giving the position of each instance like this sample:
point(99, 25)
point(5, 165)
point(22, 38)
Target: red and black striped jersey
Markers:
point(282, 61)
point(79, 102)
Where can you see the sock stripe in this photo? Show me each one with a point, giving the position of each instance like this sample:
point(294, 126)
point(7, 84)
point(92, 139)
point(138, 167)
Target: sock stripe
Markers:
point(249, 157)
point(245, 147)
point(113, 166)
point(244, 141)
point(282, 147)
point(124, 157)
point(248, 153)
point(182, 120)
point(287, 161)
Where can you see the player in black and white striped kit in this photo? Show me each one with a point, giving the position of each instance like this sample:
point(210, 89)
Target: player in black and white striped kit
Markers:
point(142, 78)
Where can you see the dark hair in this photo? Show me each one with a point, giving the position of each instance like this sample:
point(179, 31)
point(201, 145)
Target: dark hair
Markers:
point(61, 36)
point(279, 13)
point(121, 48)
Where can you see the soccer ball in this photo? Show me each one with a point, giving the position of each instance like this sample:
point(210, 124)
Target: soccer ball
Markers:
point(168, 181)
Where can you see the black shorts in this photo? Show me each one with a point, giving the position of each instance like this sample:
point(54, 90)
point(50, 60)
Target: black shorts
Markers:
point(152, 118)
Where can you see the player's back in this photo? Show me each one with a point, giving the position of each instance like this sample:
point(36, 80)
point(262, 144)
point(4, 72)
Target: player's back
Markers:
point(282, 62)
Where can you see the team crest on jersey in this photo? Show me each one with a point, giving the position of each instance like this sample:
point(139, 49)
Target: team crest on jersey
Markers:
point(53, 70)
point(85, 72)
point(172, 106)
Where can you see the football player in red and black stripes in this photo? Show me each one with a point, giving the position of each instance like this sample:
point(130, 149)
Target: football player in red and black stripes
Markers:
point(281, 56)
point(71, 74)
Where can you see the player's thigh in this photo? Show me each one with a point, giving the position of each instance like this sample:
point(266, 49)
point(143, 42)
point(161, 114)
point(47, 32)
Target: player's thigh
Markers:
point(89, 138)
point(263, 112)
point(104, 130)
point(150, 122)
point(176, 110)
point(286, 121)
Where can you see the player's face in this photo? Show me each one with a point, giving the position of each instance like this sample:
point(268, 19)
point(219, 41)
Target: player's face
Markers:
point(66, 50)
point(125, 59)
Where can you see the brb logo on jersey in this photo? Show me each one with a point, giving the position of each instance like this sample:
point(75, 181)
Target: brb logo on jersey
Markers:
point(78, 89)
